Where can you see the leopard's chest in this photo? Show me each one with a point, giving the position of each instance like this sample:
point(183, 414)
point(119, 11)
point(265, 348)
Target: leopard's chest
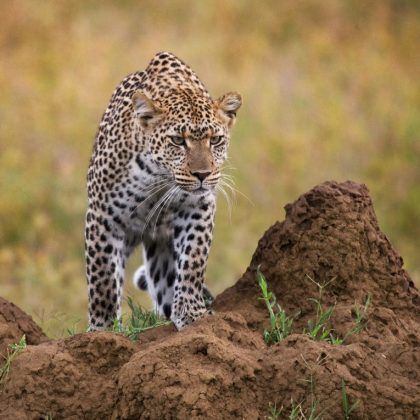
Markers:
point(146, 198)
point(153, 217)
point(146, 201)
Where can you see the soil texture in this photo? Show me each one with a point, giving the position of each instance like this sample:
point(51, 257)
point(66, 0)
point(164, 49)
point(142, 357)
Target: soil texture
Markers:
point(220, 367)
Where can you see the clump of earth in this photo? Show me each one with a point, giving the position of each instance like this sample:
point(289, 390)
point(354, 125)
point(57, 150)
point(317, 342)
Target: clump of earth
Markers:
point(221, 367)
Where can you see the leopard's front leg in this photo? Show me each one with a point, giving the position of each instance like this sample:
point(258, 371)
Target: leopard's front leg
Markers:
point(192, 240)
point(105, 261)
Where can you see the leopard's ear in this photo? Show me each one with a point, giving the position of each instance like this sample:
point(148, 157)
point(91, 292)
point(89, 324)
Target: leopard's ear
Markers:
point(228, 105)
point(144, 107)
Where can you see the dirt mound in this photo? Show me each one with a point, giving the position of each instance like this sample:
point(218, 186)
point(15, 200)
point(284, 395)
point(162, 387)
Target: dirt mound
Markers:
point(221, 367)
point(331, 236)
point(14, 323)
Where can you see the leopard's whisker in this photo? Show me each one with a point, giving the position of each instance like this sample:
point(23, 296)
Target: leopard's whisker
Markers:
point(172, 198)
point(150, 187)
point(155, 208)
point(168, 200)
point(230, 189)
point(225, 182)
point(227, 198)
point(151, 193)
point(228, 178)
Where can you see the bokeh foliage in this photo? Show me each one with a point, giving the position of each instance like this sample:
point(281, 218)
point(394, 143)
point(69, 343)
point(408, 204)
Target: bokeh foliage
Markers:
point(330, 92)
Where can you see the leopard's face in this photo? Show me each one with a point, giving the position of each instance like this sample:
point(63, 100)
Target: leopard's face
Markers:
point(188, 136)
point(194, 154)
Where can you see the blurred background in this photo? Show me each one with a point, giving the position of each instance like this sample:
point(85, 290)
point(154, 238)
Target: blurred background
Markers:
point(330, 91)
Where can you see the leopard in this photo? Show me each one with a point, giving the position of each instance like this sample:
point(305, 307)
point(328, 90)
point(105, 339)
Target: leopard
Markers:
point(152, 183)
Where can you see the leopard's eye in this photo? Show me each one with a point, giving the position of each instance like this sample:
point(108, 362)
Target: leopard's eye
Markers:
point(177, 140)
point(216, 140)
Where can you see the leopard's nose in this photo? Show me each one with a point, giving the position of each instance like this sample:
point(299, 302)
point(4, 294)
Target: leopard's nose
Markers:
point(201, 175)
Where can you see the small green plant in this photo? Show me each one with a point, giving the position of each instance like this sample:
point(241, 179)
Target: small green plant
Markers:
point(72, 330)
point(15, 349)
point(336, 341)
point(311, 412)
point(297, 412)
point(280, 323)
point(140, 320)
point(274, 412)
point(317, 328)
point(361, 314)
point(347, 408)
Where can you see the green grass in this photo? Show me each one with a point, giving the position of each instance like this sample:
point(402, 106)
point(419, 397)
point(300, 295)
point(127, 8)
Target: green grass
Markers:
point(318, 328)
point(347, 407)
point(360, 320)
point(72, 330)
point(15, 349)
point(274, 412)
point(280, 323)
point(295, 412)
point(361, 314)
point(139, 321)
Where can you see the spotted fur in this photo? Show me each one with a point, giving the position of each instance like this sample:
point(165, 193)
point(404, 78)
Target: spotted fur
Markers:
point(151, 181)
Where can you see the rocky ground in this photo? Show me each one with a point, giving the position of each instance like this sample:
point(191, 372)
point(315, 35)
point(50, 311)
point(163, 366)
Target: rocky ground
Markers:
point(221, 367)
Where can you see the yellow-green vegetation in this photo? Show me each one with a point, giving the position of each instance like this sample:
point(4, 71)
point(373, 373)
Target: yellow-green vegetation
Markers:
point(139, 321)
point(318, 328)
point(12, 352)
point(330, 92)
point(360, 314)
point(348, 408)
point(280, 323)
point(296, 411)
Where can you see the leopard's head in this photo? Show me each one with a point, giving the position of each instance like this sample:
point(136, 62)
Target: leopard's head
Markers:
point(187, 133)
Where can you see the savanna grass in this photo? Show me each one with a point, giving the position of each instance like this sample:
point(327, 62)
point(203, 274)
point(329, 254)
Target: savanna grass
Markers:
point(139, 321)
point(348, 408)
point(318, 328)
point(280, 323)
point(295, 412)
point(12, 352)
